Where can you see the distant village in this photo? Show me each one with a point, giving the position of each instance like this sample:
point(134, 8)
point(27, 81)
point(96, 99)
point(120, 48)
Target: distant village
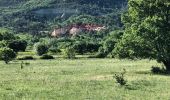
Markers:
point(76, 29)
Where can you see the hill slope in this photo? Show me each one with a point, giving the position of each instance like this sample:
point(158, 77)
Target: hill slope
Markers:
point(35, 15)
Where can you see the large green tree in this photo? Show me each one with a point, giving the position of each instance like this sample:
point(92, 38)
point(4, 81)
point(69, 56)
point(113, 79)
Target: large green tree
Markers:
point(147, 31)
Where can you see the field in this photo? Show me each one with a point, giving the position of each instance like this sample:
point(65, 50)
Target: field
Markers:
point(81, 79)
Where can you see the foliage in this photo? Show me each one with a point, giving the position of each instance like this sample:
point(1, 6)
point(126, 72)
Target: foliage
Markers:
point(82, 47)
point(69, 53)
point(34, 16)
point(147, 31)
point(120, 79)
point(3, 44)
point(45, 56)
point(6, 35)
point(108, 44)
point(26, 58)
point(158, 70)
point(7, 54)
point(54, 50)
point(101, 53)
point(89, 19)
point(41, 48)
point(18, 45)
point(30, 39)
point(132, 46)
point(54, 46)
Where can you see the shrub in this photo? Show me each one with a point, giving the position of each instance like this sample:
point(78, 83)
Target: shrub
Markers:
point(18, 45)
point(158, 70)
point(101, 53)
point(26, 58)
point(7, 54)
point(45, 56)
point(54, 45)
point(69, 53)
point(109, 44)
point(54, 50)
point(82, 47)
point(41, 49)
point(120, 79)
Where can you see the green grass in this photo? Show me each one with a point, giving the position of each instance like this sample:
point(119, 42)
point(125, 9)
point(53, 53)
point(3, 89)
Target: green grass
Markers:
point(81, 79)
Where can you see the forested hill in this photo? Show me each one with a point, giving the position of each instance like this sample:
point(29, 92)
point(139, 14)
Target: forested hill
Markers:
point(35, 15)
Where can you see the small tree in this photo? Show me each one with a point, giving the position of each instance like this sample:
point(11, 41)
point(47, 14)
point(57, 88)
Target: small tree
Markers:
point(7, 54)
point(69, 53)
point(41, 49)
point(18, 45)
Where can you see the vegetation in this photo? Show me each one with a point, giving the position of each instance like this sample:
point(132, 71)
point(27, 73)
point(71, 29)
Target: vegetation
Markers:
point(120, 78)
point(45, 56)
point(7, 54)
point(82, 78)
point(85, 30)
point(158, 70)
point(18, 45)
point(34, 16)
point(41, 49)
point(69, 53)
point(146, 31)
point(26, 58)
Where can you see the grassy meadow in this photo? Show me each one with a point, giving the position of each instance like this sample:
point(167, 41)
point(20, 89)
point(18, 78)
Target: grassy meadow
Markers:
point(81, 79)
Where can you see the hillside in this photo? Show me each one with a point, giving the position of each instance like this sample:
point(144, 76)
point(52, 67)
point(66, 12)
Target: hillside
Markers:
point(37, 15)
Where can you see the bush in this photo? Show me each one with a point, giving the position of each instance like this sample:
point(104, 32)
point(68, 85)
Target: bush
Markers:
point(45, 56)
point(26, 58)
point(18, 45)
point(7, 54)
point(158, 70)
point(54, 45)
point(41, 49)
point(120, 79)
point(82, 47)
point(109, 44)
point(54, 50)
point(101, 53)
point(69, 53)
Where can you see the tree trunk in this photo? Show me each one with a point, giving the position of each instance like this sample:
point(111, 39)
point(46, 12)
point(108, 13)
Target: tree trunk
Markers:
point(167, 65)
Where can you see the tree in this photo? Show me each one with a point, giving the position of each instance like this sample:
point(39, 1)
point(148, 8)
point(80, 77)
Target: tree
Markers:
point(7, 54)
point(80, 47)
point(147, 31)
point(5, 35)
point(41, 48)
point(18, 45)
point(69, 53)
point(3, 44)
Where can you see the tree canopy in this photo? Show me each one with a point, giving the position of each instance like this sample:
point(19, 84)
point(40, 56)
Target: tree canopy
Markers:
point(147, 31)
